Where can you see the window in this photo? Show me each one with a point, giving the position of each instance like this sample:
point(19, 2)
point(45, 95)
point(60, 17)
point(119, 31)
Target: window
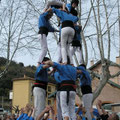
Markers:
point(49, 94)
point(49, 88)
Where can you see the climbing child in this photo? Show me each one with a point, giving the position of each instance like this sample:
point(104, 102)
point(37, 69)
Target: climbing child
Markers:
point(44, 28)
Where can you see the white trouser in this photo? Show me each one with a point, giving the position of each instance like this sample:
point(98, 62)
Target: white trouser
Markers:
point(67, 34)
point(59, 112)
point(39, 100)
point(59, 53)
point(87, 102)
point(44, 47)
point(53, 2)
point(68, 110)
point(78, 52)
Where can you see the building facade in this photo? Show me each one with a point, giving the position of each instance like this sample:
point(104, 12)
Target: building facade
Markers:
point(22, 92)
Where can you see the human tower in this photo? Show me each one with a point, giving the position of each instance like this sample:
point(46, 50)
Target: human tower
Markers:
point(64, 71)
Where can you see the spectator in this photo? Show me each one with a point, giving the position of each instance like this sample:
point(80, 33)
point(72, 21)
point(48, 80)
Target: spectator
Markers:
point(103, 114)
point(47, 112)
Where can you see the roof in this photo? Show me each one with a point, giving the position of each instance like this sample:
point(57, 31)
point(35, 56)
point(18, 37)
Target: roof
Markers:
point(22, 78)
point(114, 104)
point(97, 63)
point(114, 84)
point(93, 66)
point(109, 81)
point(29, 78)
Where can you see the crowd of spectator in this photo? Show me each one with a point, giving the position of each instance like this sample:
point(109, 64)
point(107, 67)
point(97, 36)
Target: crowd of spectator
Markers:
point(27, 113)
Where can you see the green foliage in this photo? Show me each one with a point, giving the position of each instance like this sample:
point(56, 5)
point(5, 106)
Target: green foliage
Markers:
point(15, 70)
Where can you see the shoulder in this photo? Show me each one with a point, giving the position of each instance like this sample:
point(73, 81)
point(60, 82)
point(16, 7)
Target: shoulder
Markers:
point(56, 64)
point(43, 14)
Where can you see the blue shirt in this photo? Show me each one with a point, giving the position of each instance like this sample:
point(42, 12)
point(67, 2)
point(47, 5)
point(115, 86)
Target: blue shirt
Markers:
point(31, 118)
point(57, 77)
point(65, 16)
point(24, 116)
point(66, 72)
point(20, 117)
point(43, 22)
point(85, 78)
point(83, 118)
point(41, 74)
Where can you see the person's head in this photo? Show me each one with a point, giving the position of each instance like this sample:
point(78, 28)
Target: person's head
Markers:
point(74, 3)
point(74, 12)
point(113, 116)
point(83, 65)
point(45, 59)
point(49, 15)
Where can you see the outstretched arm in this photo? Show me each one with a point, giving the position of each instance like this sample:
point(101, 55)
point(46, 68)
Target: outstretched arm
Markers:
point(51, 114)
point(51, 71)
point(63, 7)
point(91, 112)
point(46, 66)
point(42, 113)
point(79, 109)
point(49, 63)
point(33, 112)
point(98, 105)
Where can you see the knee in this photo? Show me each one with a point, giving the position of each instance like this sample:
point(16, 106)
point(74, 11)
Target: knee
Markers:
point(63, 45)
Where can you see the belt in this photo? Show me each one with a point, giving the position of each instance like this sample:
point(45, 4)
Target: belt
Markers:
point(74, 86)
point(39, 84)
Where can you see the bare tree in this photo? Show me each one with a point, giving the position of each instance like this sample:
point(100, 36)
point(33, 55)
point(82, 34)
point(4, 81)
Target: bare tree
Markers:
point(103, 22)
point(18, 30)
point(15, 33)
